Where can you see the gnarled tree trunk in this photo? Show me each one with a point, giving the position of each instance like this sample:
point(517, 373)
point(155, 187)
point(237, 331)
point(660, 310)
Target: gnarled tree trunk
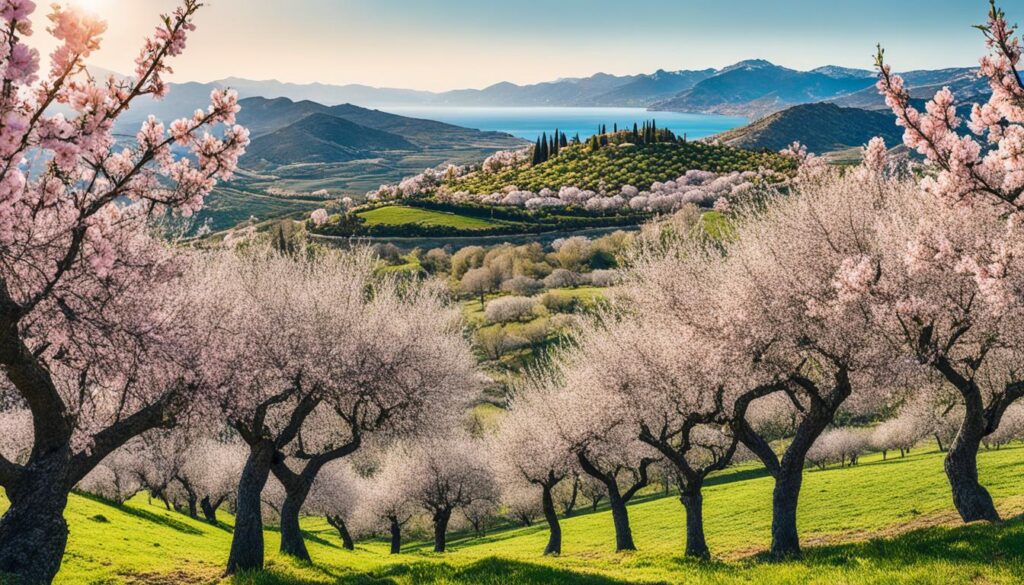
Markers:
point(441, 518)
point(693, 503)
point(33, 533)
point(620, 518)
point(346, 538)
point(209, 510)
point(554, 546)
point(247, 541)
point(292, 542)
point(396, 536)
point(971, 499)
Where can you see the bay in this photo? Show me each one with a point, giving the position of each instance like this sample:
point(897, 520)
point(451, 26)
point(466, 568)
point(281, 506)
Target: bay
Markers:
point(530, 122)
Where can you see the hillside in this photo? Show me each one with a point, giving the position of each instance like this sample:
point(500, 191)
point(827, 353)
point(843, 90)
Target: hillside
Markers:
point(322, 138)
point(755, 88)
point(821, 127)
point(901, 505)
point(613, 167)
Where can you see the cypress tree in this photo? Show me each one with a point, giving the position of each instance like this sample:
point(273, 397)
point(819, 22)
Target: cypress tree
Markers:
point(654, 131)
point(576, 139)
point(636, 134)
point(615, 127)
point(563, 141)
point(554, 144)
point(536, 152)
point(544, 152)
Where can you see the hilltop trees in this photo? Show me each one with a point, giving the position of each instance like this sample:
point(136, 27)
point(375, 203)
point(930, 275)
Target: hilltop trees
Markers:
point(303, 395)
point(91, 336)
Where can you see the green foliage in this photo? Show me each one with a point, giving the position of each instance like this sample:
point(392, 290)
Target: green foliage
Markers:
point(611, 167)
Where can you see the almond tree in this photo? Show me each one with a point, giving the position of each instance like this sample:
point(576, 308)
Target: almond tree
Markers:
point(605, 446)
point(210, 473)
point(774, 300)
point(981, 173)
point(528, 449)
point(305, 395)
point(669, 390)
point(335, 496)
point(82, 344)
point(387, 502)
point(448, 474)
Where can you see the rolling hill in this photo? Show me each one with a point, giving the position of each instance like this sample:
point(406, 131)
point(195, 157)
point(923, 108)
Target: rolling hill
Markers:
point(821, 127)
point(323, 138)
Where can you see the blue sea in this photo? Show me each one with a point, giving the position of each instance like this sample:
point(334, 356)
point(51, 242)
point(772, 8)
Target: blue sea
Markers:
point(529, 123)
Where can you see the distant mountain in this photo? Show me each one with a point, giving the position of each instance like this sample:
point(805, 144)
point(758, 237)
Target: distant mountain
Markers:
point(562, 92)
point(752, 88)
point(322, 138)
point(838, 72)
point(263, 116)
point(756, 88)
point(962, 81)
point(821, 127)
point(649, 89)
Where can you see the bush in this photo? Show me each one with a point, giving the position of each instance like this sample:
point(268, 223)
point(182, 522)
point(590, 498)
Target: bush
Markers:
point(522, 286)
point(561, 278)
point(495, 342)
point(559, 303)
point(604, 278)
point(507, 309)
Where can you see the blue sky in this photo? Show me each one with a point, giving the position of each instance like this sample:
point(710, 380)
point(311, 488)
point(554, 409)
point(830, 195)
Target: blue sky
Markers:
point(447, 44)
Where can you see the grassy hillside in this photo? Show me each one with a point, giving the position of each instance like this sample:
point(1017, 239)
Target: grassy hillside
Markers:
point(612, 167)
point(820, 127)
point(401, 215)
point(322, 138)
point(903, 504)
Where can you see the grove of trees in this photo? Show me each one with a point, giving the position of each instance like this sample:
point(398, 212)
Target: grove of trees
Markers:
point(863, 308)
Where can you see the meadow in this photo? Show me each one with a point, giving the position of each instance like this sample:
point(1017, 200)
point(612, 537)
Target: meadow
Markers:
point(878, 522)
point(402, 215)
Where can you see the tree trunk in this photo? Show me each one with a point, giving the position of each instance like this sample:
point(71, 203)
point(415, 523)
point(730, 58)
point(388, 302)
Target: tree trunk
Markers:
point(785, 539)
point(693, 503)
point(346, 538)
point(209, 510)
point(441, 529)
point(247, 541)
point(396, 536)
point(554, 546)
point(33, 533)
point(571, 506)
point(292, 542)
point(971, 499)
point(620, 517)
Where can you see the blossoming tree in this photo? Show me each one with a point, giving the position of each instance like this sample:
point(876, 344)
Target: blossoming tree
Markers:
point(976, 180)
point(83, 328)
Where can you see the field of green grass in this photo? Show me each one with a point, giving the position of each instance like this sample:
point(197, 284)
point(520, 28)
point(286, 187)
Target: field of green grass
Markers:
point(878, 522)
point(401, 215)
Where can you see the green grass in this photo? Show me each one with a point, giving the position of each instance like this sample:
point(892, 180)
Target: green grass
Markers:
point(903, 504)
point(401, 215)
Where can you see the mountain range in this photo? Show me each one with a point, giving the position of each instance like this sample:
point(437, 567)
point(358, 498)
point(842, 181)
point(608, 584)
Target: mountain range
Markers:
point(752, 88)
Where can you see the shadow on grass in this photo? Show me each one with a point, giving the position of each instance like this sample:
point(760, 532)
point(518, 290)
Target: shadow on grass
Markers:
point(489, 571)
point(973, 543)
point(163, 520)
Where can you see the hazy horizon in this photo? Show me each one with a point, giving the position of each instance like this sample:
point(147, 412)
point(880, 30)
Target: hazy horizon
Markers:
point(462, 44)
